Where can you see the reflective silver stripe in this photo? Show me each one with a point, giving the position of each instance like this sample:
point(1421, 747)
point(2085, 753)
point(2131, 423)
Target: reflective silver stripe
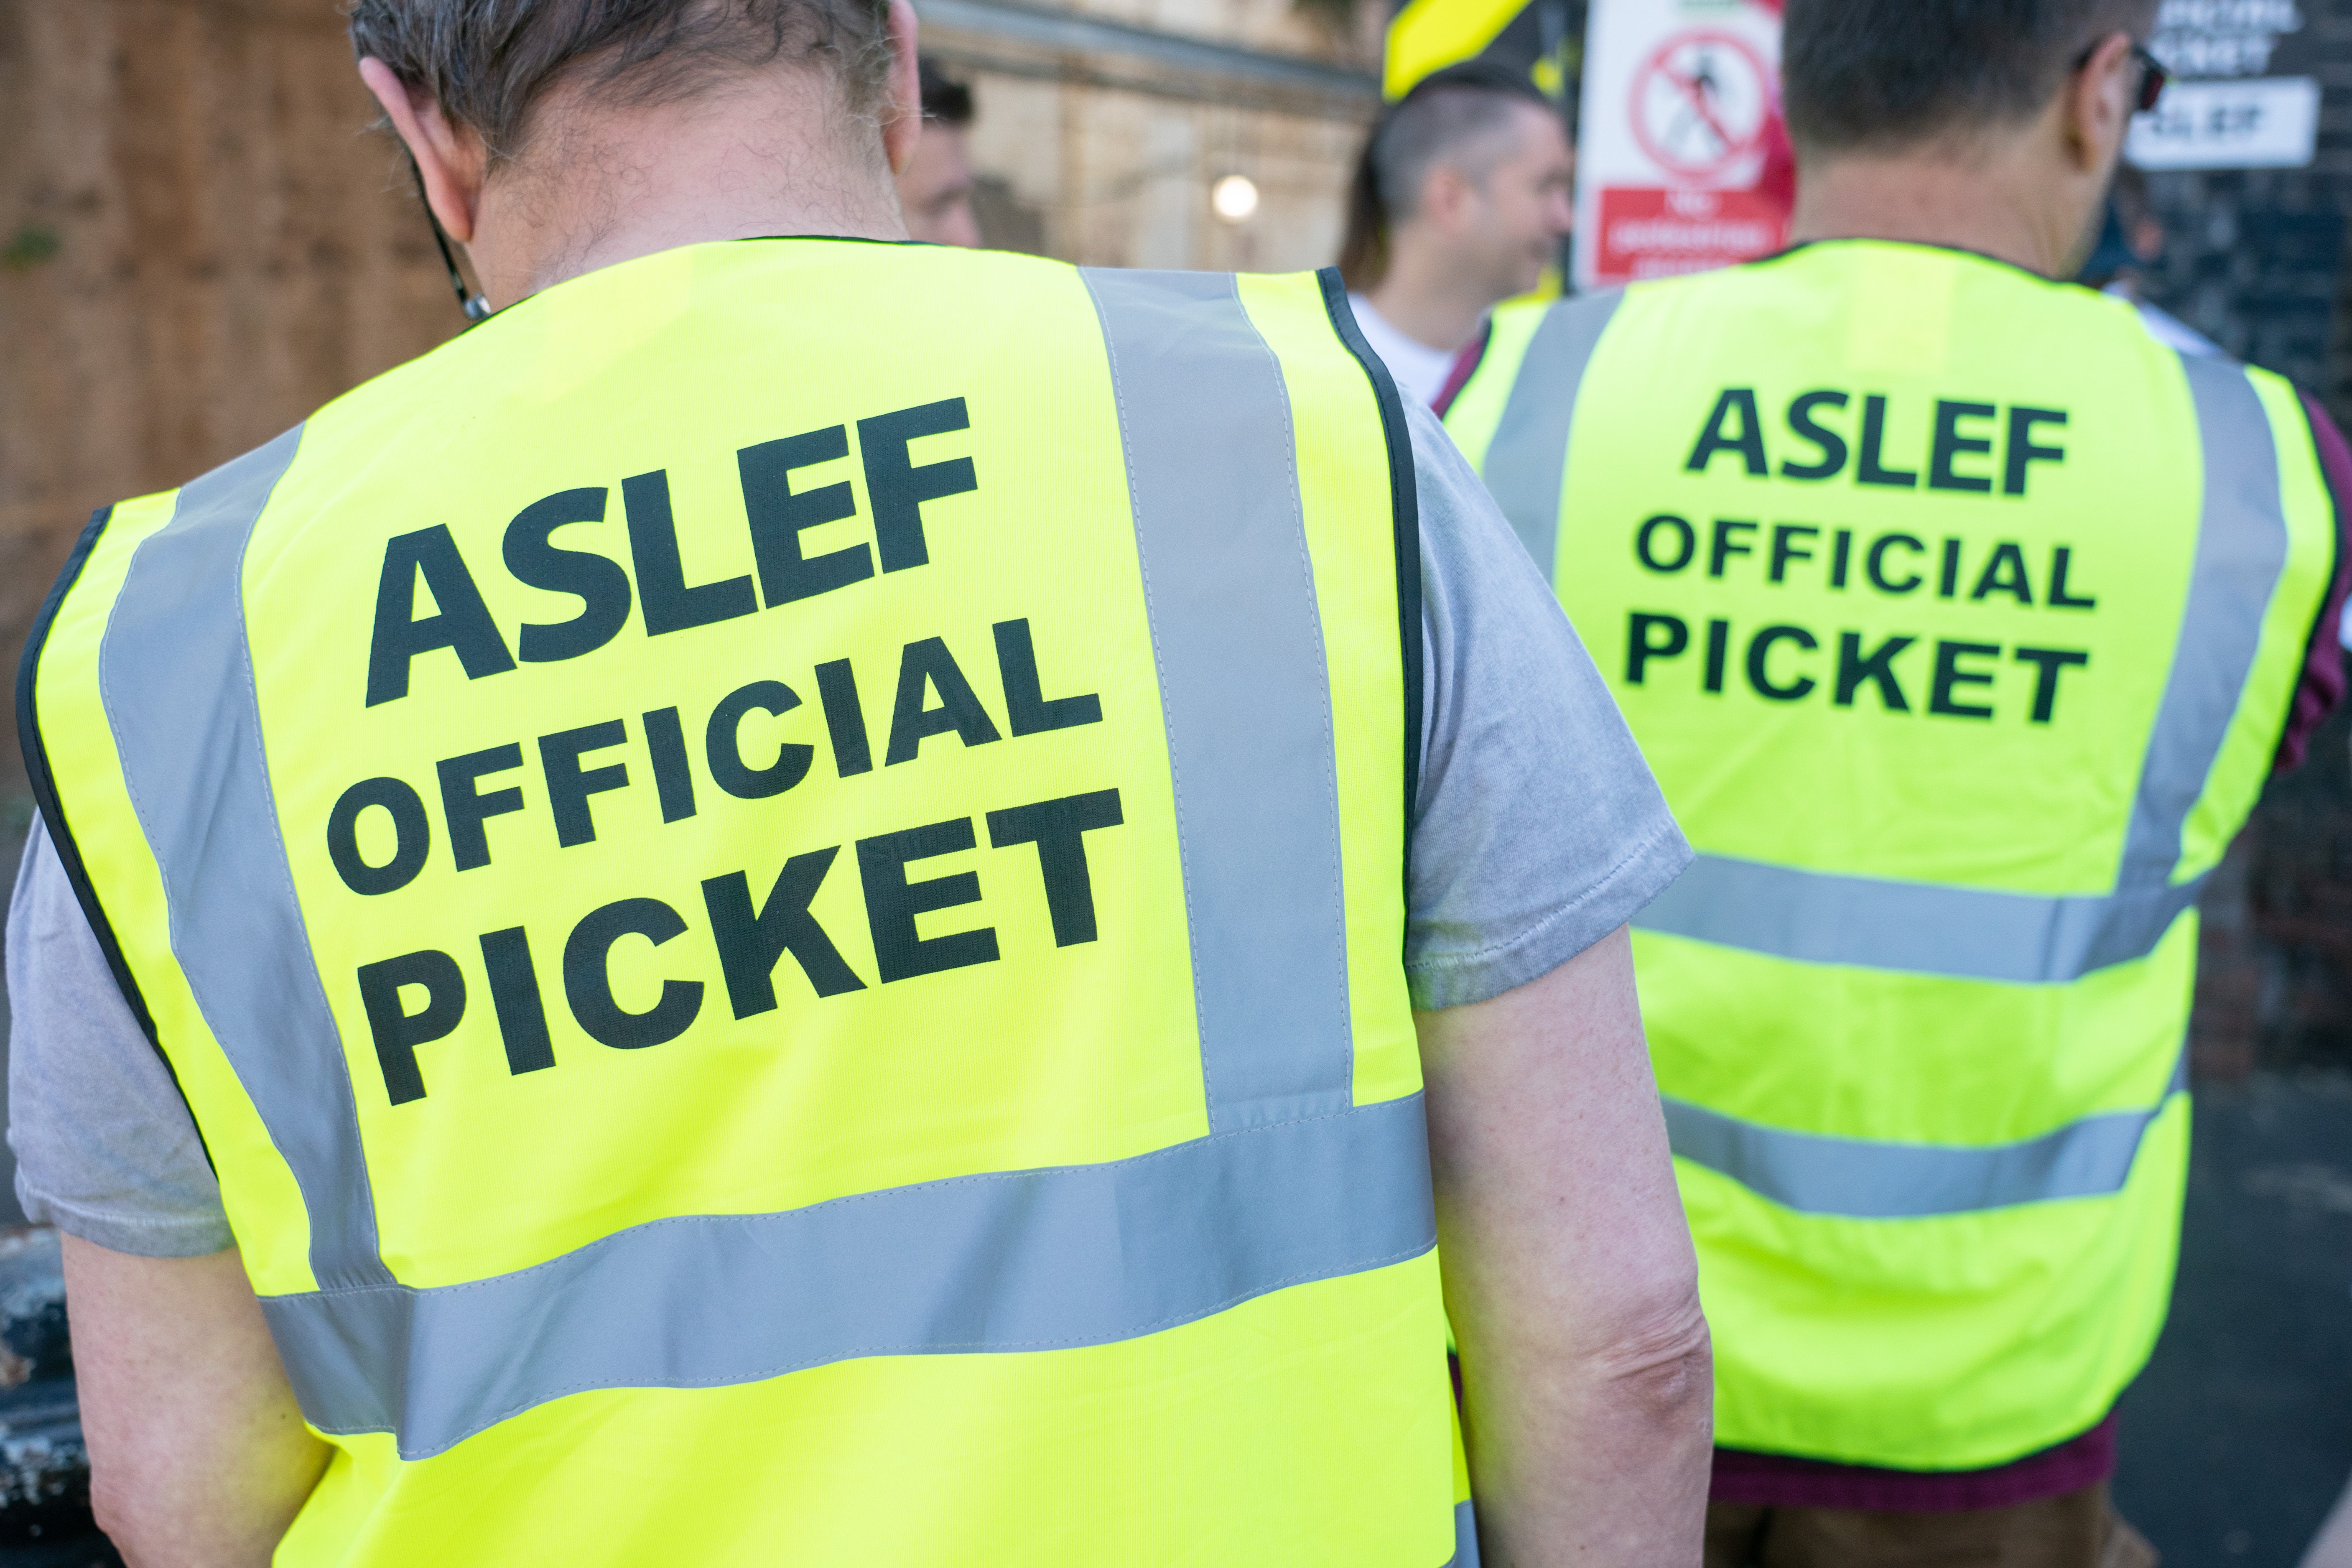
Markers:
point(2021, 938)
point(176, 677)
point(1526, 462)
point(2241, 550)
point(1860, 1178)
point(1966, 934)
point(1212, 475)
point(1465, 1537)
point(1025, 1260)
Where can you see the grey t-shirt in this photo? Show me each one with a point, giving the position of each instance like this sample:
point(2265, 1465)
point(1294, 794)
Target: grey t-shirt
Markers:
point(1539, 832)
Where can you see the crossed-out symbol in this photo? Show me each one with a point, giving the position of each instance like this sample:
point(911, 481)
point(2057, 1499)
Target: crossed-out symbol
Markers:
point(1700, 102)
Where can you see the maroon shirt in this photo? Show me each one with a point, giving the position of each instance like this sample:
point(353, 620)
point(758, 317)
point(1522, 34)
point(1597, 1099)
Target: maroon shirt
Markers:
point(1780, 1480)
point(1777, 1480)
point(2322, 687)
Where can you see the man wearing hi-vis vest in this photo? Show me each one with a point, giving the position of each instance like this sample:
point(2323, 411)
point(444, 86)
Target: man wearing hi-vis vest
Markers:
point(1962, 622)
point(828, 901)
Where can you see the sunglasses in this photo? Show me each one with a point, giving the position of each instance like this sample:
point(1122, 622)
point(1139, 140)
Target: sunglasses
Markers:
point(2152, 74)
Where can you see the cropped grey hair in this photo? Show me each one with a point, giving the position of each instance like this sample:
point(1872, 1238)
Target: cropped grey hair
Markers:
point(488, 63)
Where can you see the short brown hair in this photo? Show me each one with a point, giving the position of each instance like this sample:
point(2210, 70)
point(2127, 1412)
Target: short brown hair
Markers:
point(489, 62)
point(1860, 74)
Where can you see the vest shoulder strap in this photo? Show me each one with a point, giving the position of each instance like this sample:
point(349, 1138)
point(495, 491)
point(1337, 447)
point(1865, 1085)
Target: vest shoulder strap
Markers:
point(1527, 459)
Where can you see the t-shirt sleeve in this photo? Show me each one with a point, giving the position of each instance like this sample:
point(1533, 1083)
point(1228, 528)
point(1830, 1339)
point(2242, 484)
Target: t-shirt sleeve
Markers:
point(105, 1147)
point(1539, 829)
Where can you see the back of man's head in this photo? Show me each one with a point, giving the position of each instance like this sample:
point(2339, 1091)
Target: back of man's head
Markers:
point(1885, 76)
point(490, 63)
point(1464, 117)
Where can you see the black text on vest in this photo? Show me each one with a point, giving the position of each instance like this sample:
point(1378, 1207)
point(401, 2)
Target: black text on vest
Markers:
point(1971, 447)
point(696, 758)
point(1945, 666)
point(460, 623)
point(751, 931)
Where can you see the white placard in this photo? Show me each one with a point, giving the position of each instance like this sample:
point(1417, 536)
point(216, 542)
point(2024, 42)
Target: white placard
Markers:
point(2202, 40)
point(2267, 122)
point(1682, 157)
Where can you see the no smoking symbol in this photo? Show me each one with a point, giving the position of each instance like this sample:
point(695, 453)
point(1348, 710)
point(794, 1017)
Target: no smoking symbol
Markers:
point(1701, 102)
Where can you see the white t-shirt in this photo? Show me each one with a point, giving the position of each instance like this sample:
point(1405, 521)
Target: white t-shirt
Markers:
point(1418, 368)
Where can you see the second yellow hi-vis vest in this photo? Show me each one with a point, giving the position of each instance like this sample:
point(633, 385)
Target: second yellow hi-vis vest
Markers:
point(1959, 620)
point(779, 897)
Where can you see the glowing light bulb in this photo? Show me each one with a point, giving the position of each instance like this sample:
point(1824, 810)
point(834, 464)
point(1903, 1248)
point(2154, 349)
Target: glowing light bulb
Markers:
point(1234, 197)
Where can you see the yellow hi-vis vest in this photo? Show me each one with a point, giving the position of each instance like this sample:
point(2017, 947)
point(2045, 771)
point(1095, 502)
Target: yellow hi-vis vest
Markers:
point(1959, 620)
point(776, 882)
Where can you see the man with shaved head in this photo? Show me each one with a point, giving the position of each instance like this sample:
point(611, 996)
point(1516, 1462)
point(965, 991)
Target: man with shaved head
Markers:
point(1459, 201)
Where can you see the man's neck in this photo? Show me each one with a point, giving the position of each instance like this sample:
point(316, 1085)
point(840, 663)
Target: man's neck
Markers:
point(736, 166)
point(1965, 204)
point(1428, 301)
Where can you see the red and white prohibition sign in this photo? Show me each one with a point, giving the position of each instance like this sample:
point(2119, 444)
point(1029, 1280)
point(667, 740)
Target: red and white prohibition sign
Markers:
point(1701, 103)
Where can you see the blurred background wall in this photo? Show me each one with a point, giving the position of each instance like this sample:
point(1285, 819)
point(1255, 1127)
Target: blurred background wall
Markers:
point(1103, 127)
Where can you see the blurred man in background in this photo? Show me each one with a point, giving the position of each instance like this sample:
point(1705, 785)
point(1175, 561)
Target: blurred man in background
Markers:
point(1459, 201)
point(1963, 621)
point(935, 187)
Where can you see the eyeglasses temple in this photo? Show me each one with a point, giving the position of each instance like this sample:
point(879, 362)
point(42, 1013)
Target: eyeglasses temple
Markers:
point(476, 308)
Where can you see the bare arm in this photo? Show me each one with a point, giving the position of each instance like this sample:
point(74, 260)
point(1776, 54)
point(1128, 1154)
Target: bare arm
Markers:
point(1586, 1374)
point(199, 1455)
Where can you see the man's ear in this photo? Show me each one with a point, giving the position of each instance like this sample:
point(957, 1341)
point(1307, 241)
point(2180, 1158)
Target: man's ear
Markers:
point(453, 162)
point(1447, 195)
point(2098, 105)
point(902, 108)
